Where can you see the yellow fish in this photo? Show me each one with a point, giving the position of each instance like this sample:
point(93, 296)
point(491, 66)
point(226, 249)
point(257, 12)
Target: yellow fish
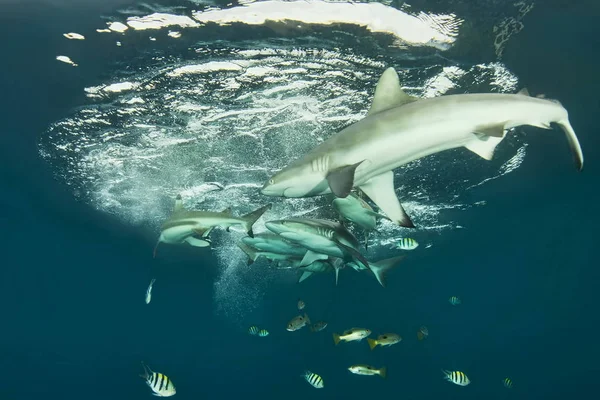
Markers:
point(387, 339)
point(351, 335)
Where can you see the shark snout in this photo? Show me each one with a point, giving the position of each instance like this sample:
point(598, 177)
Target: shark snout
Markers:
point(276, 226)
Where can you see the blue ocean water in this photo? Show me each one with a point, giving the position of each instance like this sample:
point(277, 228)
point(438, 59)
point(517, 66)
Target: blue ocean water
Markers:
point(75, 270)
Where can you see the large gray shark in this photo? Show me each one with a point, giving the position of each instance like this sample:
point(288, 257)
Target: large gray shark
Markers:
point(321, 237)
point(193, 227)
point(399, 129)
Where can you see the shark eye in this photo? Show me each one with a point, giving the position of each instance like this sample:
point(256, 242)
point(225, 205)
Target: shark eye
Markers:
point(271, 181)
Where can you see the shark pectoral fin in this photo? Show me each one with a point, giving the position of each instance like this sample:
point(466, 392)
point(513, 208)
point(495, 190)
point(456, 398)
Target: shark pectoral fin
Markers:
point(484, 146)
point(196, 242)
point(207, 232)
point(388, 93)
point(337, 266)
point(380, 268)
point(311, 256)
point(355, 255)
point(305, 275)
point(250, 252)
point(380, 189)
point(201, 232)
point(376, 215)
point(341, 179)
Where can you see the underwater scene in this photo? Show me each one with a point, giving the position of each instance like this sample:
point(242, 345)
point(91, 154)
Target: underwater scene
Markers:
point(299, 199)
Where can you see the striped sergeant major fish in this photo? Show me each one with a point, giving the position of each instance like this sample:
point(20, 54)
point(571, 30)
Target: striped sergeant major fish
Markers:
point(508, 383)
point(454, 300)
point(263, 333)
point(456, 377)
point(405, 244)
point(253, 330)
point(160, 384)
point(315, 380)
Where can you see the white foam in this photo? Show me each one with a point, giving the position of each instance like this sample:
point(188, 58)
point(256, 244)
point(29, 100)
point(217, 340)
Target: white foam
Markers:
point(160, 20)
point(211, 66)
point(438, 31)
point(117, 27)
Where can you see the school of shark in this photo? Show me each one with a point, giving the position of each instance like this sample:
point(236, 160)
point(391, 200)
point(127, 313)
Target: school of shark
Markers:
point(356, 165)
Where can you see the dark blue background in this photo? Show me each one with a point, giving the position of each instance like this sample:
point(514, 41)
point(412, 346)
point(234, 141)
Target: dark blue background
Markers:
point(74, 326)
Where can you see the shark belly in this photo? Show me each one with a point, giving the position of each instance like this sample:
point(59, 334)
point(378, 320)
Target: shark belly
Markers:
point(176, 234)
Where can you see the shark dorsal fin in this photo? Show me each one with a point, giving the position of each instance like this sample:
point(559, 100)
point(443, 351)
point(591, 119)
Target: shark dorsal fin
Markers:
point(227, 211)
point(178, 204)
point(388, 93)
point(523, 92)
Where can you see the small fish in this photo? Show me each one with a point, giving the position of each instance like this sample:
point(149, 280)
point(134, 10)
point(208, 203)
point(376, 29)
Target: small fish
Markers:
point(263, 333)
point(456, 377)
point(368, 370)
point(351, 335)
point(318, 326)
point(300, 305)
point(73, 35)
point(66, 60)
point(422, 333)
point(315, 380)
point(149, 291)
point(387, 339)
point(508, 383)
point(454, 300)
point(253, 330)
point(405, 244)
point(298, 323)
point(160, 384)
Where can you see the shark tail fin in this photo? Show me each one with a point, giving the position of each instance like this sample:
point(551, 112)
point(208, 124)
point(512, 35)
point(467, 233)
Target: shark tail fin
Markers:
point(383, 372)
point(573, 143)
point(250, 252)
point(380, 268)
point(250, 219)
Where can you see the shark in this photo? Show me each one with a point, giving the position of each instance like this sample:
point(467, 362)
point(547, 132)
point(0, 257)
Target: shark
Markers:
point(194, 227)
point(270, 242)
point(354, 209)
point(254, 254)
point(322, 238)
point(399, 128)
